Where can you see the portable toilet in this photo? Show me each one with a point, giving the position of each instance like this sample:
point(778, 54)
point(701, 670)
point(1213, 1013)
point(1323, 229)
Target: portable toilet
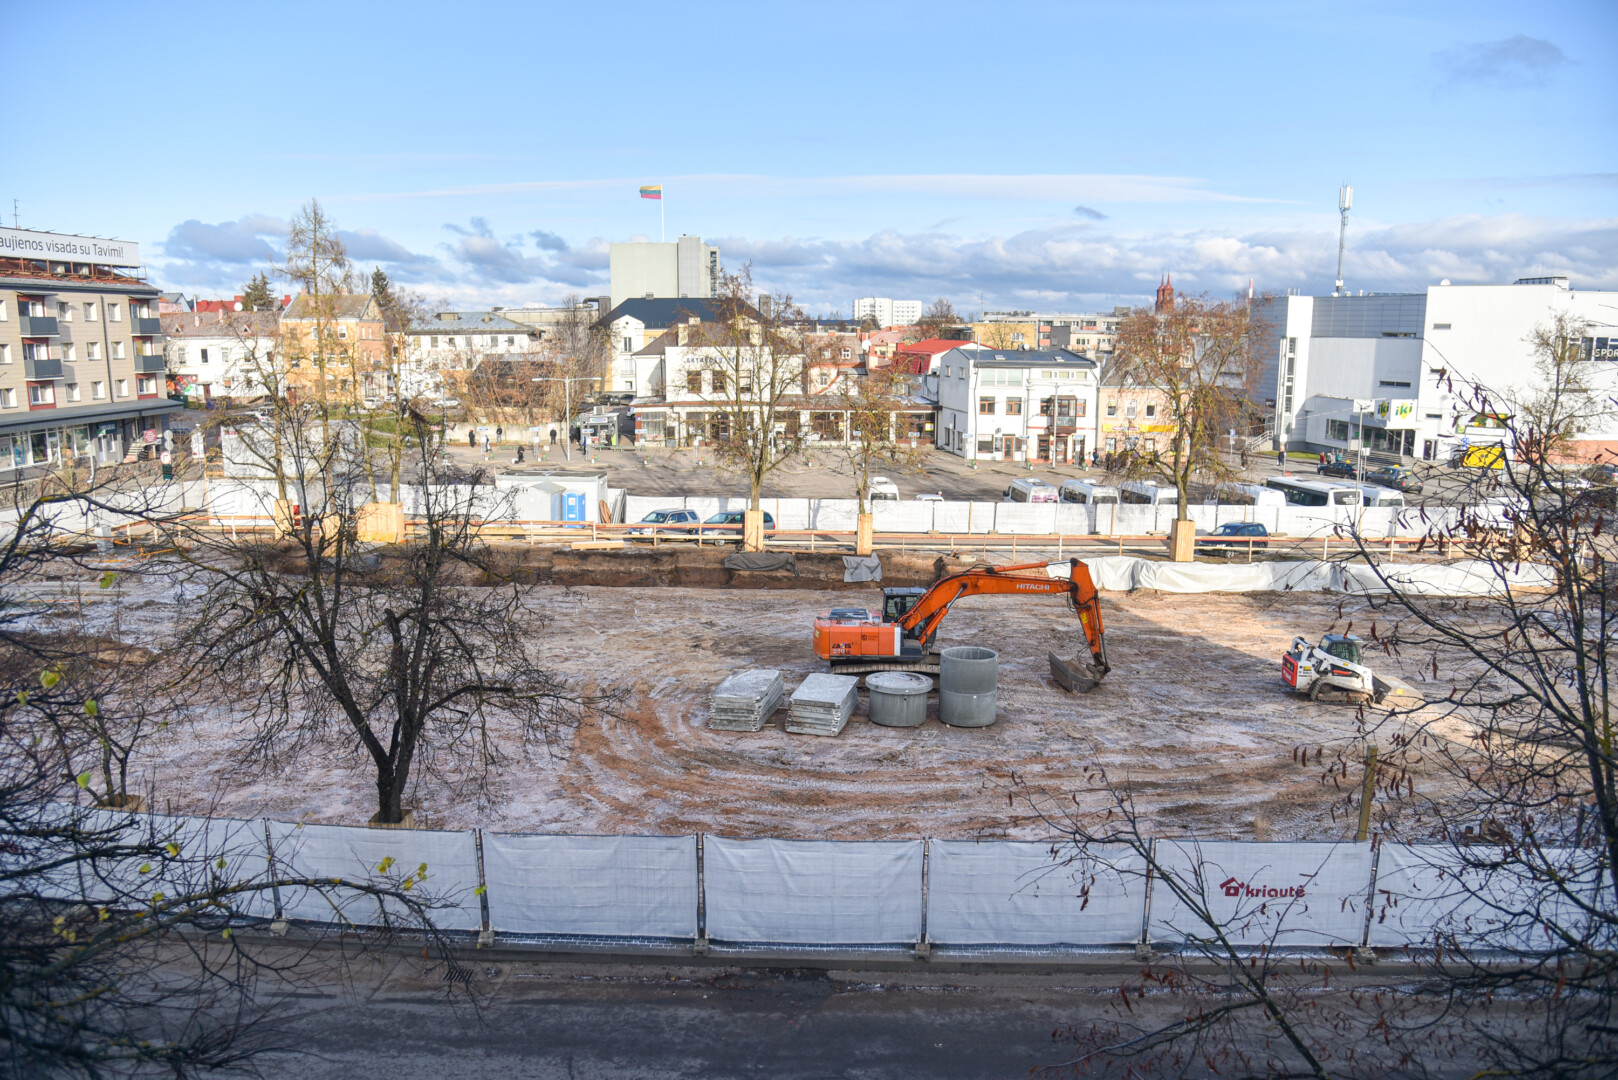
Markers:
point(573, 506)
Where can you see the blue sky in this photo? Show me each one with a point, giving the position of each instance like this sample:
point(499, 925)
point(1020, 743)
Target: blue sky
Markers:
point(1009, 154)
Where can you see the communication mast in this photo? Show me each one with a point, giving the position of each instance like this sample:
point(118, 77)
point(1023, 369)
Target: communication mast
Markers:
point(1345, 203)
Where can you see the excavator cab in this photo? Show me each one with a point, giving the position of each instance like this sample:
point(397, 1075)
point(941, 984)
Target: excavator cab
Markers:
point(897, 602)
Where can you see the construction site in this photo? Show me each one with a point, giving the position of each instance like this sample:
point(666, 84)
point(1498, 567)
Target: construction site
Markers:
point(1193, 714)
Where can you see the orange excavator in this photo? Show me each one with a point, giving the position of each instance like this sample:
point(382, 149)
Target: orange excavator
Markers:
point(901, 636)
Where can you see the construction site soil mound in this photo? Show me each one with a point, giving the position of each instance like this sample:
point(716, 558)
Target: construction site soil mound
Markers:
point(1193, 717)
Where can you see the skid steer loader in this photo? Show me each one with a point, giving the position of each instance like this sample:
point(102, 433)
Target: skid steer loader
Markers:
point(1334, 670)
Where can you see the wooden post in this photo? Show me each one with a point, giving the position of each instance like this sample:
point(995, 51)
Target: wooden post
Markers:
point(1367, 793)
point(864, 534)
point(752, 530)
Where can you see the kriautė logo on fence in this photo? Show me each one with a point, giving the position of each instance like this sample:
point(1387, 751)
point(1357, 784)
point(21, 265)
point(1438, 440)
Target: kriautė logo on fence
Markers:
point(1233, 887)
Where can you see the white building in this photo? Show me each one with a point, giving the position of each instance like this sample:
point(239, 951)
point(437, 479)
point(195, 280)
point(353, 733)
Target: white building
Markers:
point(219, 354)
point(459, 341)
point(887, 311)
point(685, 268)
point(636, 323)
point(1394, 355)
point(1018, 405)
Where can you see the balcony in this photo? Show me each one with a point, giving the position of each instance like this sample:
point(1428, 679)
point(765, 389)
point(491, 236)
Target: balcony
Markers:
point(41, 365)
point(146, 327)
point(148, 363)
point(38, 325)
point(1064, 425)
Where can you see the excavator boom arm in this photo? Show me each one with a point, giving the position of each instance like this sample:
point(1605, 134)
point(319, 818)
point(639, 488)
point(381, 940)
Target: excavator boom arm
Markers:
point(922, 620)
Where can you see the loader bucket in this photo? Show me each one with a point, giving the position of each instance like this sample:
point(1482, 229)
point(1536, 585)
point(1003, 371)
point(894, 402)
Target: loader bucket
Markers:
point(1076, 676)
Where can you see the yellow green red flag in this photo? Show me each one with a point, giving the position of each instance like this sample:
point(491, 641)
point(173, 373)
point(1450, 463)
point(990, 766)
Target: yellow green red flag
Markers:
point(652, 191)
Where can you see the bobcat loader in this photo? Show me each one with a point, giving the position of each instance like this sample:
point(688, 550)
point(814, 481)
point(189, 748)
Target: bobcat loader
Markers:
point(1334, 670)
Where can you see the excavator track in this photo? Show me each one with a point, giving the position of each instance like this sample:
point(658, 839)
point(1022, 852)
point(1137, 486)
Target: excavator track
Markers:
point(867, 666)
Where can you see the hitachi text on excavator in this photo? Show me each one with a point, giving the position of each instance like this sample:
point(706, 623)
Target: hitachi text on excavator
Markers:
point(901, 637)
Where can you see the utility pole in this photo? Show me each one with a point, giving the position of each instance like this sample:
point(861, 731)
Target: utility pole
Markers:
point(1345, 203)
point(567, 405)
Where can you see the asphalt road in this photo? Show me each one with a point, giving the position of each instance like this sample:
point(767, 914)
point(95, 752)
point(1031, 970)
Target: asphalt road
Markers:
point(578, 1021)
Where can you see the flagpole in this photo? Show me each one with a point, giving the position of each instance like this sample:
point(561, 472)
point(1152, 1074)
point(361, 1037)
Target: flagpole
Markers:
point(662, 229)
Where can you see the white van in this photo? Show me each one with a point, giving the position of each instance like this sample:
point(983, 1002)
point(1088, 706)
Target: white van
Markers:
point(1377, 495)
point(883, 488)
point(1031, 491)
point(1078, 491)
point(1144, 492)
point(1255, 495)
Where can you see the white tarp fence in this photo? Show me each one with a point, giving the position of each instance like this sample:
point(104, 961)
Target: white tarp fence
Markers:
point(1280, 894)
point(362, 855)
point(611, 886)
point(1121, 573)
point(819, 892)
point(1008, 893)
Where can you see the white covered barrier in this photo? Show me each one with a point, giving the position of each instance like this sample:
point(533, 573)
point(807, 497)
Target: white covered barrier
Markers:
point(1262, 894)
point(838, 515)
point(1469, 577)
point(812, 892)
point(1011, 893)
point(606, 886)
point(906, 517)
point(1013, 517)
point(383, 857)
point(1483, 898)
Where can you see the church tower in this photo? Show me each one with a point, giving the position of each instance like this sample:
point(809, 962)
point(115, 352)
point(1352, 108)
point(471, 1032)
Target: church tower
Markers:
point(1165, 296)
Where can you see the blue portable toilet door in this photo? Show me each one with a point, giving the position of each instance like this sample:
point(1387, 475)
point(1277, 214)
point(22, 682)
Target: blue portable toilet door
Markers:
point(573, 506)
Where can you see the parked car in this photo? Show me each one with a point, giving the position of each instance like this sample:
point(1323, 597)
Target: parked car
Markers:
point(883, 488)
point(1235, 536)
point(1344, 469)
point(928, 496)
point(664, 522)
point(727, 525)
point(1399, 479)
point(1031, 491)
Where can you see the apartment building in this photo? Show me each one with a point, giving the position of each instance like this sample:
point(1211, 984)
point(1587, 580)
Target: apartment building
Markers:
point(81, 351)
point(1091, 333)
point(686, 268)
point(635, 324)
point(219, 354)
point(886, 311)
point(1033, 405)
point(335, 347)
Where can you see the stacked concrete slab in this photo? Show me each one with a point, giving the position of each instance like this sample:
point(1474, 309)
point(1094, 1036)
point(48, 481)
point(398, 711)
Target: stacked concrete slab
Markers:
point(745, 701)
point(823, 704)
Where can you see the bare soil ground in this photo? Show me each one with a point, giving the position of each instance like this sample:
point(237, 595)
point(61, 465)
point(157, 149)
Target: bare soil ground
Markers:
point(1194, 716)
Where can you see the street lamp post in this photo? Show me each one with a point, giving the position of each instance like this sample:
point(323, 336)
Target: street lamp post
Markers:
point(567, 403)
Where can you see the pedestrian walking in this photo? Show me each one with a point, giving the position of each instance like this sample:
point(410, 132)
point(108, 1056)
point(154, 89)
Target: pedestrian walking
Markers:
point(485, 442)
point(472, 438)
point(1281, 459)
point(1323, 457)
point(553, 436)
point(499, 433)
point(518, 459)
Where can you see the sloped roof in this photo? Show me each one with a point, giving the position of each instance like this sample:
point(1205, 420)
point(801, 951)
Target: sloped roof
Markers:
point(660, 313)
point(214, 324)
point(470, 322)
point(348, 306)
point(929, 347)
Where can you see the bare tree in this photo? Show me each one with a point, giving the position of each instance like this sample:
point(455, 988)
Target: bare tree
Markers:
point(756, 364)
point(875, 437)
point(396, 656)
point(1200, 356)
point(938, 315)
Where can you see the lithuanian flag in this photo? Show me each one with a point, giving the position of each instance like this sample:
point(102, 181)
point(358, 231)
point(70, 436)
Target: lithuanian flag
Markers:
point(652, 191)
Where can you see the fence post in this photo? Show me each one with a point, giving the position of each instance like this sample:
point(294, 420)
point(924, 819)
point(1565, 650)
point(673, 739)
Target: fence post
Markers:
point(699, 947)
point(1143, 949)
point(278, 926)
point(1365, 954)
point(486, 933)
point(923, 946)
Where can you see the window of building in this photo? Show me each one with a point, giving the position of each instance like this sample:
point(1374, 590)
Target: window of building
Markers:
point(120, 387)
point(73, 391)
point(98, 390)
point(986, 446)
point(89, 311)
point(511, 342)
point(41, 394)
point(718, 381)
point(1014, 406)
point(117, 350)
point(92, 350)
point(1129, 410)
point(203, 356)
point(1112, 410)
point(1047, 406)
point(1392, 382)
point(5, 354)
point(8, 399)
point(342, 333)
point(1338, 430)
point(224, 354)
point(848, 354)
point(985, 406)
point(1151, 409)
point(693, 382)
point(64, 311)
point(1441, 326)
point(629, 345)
point(823, 377)
point(146, 384)
point(3, 315)
point(69, 353)
point(115, 312)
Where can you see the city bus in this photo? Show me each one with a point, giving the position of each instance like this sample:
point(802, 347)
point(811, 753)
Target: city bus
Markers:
point(1314, 492)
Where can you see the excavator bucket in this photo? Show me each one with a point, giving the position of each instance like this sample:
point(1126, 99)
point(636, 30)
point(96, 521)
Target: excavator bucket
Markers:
point(1075, 676)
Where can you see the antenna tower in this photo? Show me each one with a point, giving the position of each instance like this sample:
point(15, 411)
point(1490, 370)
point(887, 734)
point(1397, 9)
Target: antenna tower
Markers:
point(1345, 203)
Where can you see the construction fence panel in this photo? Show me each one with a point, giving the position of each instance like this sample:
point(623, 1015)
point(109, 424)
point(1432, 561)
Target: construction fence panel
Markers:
point(1261, 894)
point(608, 886)
point(812, 892)
point(380, 857)
point(1075, 519)
point(1484, 897)
point(837, 515)
point(1013, 517)
point(902, 517)
point(790, 513)
point(1134, 519)
point(1011, 893)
